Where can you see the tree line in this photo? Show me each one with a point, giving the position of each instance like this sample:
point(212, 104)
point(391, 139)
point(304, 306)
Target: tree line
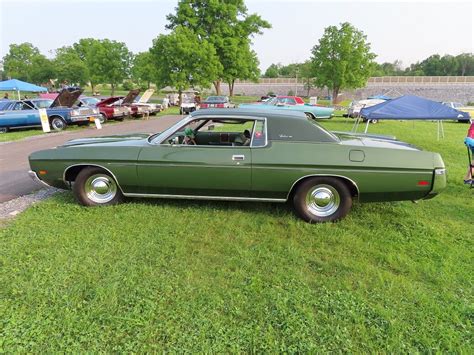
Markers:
point(434, 65)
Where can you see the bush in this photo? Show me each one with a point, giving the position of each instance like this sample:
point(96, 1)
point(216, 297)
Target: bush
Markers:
point(291, 93)
point(470, 103)
point(127, 85)
point(270, 93)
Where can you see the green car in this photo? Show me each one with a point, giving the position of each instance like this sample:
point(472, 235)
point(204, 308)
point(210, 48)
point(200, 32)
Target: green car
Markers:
point(245, 155)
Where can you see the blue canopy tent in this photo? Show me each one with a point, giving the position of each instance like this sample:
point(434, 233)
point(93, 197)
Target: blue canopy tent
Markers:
point(411, 107)
point(18, 85)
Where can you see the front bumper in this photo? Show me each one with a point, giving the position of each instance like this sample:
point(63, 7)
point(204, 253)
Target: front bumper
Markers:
point(84, 118)
point(35, 177)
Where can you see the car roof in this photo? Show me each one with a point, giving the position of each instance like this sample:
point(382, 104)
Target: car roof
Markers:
point(283, 125)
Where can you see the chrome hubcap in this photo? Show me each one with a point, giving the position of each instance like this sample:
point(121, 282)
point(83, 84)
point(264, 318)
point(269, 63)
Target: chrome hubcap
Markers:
point(322, 200)
point(57, 124)
point(100, 188)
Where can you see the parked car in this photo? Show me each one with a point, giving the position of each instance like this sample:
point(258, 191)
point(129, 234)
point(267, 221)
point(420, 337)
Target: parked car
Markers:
point(282, 103)
point(109, 111)
point(188, 105)
point(129, 101)
point(217, 102)
point(355, 107)
point(142, 101)
point(60, 111)
point(272, 156)
point(459, 106)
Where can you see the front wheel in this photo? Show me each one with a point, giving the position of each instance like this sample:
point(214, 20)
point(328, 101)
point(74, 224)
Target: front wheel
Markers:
point(96, 187)
point(102, 118)
point(322, 199)
point(4, 129)
point(58, 123)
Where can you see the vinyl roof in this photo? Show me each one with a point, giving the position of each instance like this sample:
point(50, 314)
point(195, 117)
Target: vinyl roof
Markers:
point(282, 125)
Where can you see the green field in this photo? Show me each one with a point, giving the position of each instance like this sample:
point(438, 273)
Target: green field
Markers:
point(181, 276)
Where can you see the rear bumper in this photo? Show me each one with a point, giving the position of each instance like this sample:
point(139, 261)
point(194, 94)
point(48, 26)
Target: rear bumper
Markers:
point(439, 183)
point(84, 118)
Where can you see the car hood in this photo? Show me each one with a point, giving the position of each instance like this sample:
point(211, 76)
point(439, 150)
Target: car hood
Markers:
point(67, 97)
point(146, 96)
point(126, 138)
point(373, 140)
point(108, 101)
point(131, 96)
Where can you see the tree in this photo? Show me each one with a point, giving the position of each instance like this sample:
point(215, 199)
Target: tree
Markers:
point(182, 60)
point(110, 62)
point(86, 49)
point(240, 62)
point(143, 67)
point(466, 64)
point(342, 59)
point(42, 70)
point(18, 61)
point(70, 69)
point(220, 22)
point(273, 71)
point(306, 74)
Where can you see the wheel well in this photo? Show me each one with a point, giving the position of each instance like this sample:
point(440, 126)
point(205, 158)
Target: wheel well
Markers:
point(71, 173)
point(348, 182)
point(311, 114)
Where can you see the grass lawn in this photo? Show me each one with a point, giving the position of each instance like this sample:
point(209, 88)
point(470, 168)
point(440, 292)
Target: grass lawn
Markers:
point(245, 277)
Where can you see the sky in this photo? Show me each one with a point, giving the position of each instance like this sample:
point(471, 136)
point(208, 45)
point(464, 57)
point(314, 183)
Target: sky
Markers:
point(406, 30)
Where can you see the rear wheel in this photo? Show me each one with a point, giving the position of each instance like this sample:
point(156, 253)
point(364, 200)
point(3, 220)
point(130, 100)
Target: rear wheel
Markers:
point(4, 129)
point(322, 199)
point(102, 118)
point(96, 187)
point(58, 123)
point(310, 115)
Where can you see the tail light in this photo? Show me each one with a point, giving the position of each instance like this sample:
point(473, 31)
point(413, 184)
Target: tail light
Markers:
point(220, 105)
point(203, 105)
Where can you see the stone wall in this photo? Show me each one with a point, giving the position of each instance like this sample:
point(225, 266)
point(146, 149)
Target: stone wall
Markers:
point(457, 89)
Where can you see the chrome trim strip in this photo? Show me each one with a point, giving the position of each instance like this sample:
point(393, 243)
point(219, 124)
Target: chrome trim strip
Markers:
point(35, 177)
point(346, 170)
point(218, 198)
point(67, 183)
point(328, 175)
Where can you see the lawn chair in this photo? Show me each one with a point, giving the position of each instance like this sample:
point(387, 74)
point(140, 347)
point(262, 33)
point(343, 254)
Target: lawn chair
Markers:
point(469, 141)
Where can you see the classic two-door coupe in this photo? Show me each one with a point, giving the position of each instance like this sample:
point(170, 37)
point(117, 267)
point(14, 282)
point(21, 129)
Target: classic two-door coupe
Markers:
point(289, 104)
point(245, 155)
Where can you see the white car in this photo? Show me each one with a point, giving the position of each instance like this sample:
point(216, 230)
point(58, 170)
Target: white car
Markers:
point(356, 106)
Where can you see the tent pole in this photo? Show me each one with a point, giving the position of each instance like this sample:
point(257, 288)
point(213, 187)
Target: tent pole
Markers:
point(18, 91)
point(438, 130)
point(442, 129)
point(367, 126)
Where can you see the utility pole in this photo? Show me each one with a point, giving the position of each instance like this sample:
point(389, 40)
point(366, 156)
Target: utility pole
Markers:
point(296, 84)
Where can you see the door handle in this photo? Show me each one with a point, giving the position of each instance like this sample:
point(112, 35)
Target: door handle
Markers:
point(238, 157)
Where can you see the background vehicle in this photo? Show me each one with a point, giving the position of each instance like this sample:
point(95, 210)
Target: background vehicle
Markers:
point(61, 113)
point(216, 102)
point(459, 106)
point(289, 103)
point(355, 107)
point(188, 105)
point(256, 155)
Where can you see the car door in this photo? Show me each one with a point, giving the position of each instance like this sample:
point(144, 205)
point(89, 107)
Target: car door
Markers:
point(196, 170)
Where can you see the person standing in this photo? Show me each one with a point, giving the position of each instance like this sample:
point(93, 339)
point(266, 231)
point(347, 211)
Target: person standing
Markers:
point(6, 96)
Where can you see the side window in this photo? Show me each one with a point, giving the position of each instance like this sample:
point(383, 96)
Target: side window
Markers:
point(259, 137)
point(18, 106)
point(291, 101)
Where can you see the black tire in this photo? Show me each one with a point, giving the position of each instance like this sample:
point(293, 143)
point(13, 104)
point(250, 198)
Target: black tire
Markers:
point(374, 121)
point(102, 118)
point(322, 199)
point(96, 187)
point(4, 129)
point(310, 115)
point(58, 123)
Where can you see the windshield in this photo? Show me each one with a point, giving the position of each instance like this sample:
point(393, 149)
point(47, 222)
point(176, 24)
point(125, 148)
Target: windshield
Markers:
point(43, 103)
point(216, 99)
point(91, 101)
